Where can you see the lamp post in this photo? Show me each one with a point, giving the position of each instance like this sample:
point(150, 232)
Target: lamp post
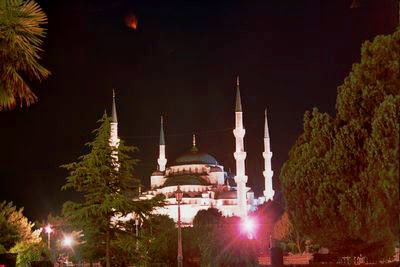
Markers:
point(179, 196)
point(48, 230)
point(137, 232)
point(67, 242)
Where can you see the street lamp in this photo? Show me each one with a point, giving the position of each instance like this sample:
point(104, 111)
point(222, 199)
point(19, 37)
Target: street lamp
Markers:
point(248, 226)
point(179, 196)
point(137, 232)
point(67, 241)
point(48, 230)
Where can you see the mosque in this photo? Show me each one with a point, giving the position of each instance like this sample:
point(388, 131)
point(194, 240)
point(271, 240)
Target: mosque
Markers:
point(202, 179)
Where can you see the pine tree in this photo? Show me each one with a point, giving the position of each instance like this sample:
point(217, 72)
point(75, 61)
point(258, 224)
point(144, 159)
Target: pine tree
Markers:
point(341, 182)
point(108, 189)
point(14, 226)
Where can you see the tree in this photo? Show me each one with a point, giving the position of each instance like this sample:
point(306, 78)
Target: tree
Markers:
point(14, 226)
point(160, 238)
point(108, 189)
point(283, 230)
point(29, 251)
point(236, 248)
point(17, 236)
point(8, 233)
point(266, 216)
point(341, 179)
point(205, 229)
point(220, 241)
point(21, 33)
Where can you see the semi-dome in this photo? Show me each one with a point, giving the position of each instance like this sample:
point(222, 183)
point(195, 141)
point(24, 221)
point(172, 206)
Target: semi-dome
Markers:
point(185, 180)
point(195, 157)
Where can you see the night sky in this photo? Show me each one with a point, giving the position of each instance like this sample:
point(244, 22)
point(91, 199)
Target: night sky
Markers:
point(181, 63)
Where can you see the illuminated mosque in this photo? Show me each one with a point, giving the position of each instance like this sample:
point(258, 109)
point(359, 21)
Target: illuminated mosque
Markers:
point(202, 179)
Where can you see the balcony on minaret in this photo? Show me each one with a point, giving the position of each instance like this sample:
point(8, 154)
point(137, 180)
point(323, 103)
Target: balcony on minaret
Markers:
point(267, 155)
point(268, 173)
point(240, 155)
point(239, 132)
point(161, 163)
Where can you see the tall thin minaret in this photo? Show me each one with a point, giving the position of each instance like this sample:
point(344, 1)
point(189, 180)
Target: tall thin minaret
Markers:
point(162, 161)
point(267, 154)
point(240, 155)
point(114, 140)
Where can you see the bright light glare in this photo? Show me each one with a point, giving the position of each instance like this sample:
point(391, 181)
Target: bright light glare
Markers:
point(248, 225)
point(48, 229)
point(67, 241)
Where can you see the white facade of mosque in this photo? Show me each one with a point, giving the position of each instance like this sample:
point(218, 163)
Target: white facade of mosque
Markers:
point(202, 179)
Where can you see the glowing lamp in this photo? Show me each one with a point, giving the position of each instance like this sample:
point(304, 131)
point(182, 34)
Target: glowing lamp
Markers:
point(179, 194)
point(248, 226)
point(67, 241)
point(48, 229)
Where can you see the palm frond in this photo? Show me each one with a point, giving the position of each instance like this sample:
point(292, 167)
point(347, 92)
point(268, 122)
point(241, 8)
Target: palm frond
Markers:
point(21, 35)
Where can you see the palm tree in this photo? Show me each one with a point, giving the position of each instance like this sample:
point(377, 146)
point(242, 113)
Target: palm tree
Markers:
point(21, 33)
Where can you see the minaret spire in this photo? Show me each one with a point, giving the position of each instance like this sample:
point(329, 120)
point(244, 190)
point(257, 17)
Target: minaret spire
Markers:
point(162, 138)
point(238, 105)
point(114, 140)
point(267, 155)
point(240, 156)
point(194, 148)
point(114, 109)
point(266, 130)
point(162, 161)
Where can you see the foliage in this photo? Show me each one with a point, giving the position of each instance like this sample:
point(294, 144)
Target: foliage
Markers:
point(29, 251)
point(160, 239)
point(236, 248)
point(341, 180)
point(21, 33)
point(8, 233)
point(108, 189)
point(283, 230)
point(266, 216)
point(17, 236)
point(220, 241)
point(205, 227)
point(14, 226)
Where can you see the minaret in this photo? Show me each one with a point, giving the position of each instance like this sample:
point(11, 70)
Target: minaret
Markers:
point(240, 155)
point(162, 161)
point(267, 154)
point(194, 148)
point(114, 140)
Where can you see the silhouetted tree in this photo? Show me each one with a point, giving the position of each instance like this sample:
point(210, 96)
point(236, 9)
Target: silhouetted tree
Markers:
point(341, 182)
point(109, 190)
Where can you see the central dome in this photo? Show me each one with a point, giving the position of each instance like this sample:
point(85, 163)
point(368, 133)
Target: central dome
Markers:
point(195, 157)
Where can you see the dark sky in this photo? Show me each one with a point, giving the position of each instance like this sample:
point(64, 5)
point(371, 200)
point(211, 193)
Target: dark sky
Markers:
point(181, 62)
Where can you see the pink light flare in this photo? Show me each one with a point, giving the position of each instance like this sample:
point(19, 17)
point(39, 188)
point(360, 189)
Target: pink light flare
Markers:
point(248, 227)
point(48, 229)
